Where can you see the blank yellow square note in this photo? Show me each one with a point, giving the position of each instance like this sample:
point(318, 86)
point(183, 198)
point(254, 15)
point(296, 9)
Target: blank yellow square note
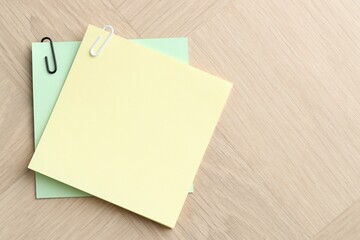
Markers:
point(131, 126)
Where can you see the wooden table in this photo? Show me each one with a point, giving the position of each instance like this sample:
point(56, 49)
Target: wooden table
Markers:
point(284, 161)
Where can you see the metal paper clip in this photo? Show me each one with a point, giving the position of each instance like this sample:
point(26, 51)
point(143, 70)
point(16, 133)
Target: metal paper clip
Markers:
point(92, 51)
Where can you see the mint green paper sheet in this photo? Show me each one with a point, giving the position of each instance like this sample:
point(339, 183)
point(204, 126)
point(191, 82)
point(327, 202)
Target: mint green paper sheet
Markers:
point(47, 87)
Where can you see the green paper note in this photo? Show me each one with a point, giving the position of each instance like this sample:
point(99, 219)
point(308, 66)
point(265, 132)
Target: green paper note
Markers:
point(47, 87)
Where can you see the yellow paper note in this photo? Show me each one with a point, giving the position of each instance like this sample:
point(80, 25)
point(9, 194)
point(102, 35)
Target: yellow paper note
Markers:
point(131, 126)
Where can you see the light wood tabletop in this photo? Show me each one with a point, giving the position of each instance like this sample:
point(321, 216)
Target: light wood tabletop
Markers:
point(284, 161)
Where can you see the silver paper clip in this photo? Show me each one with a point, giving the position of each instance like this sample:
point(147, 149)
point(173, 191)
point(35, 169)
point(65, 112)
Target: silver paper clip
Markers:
point(92, 51)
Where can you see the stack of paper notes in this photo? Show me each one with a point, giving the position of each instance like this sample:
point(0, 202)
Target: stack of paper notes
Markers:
point(129, 125)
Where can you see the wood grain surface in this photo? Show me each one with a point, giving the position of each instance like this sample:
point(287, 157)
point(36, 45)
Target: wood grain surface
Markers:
point(284, 161)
